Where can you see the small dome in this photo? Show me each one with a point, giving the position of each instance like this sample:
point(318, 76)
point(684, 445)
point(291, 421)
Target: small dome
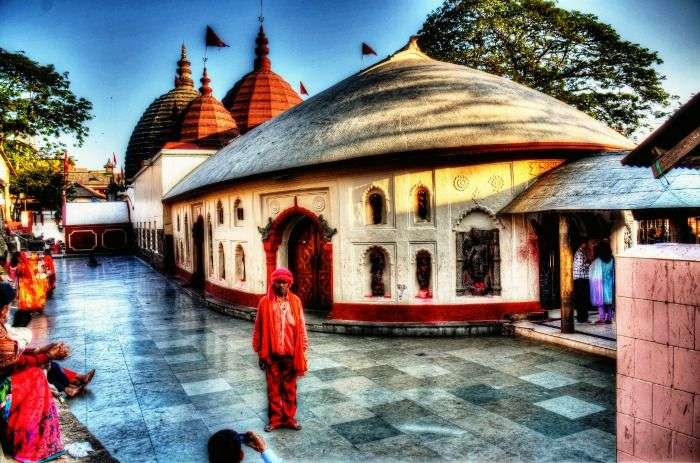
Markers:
point(261, 94)
point(207, 123)
point(161, 120)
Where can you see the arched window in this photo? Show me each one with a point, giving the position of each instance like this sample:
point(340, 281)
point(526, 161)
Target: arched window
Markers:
point(210, 244)
point(422, 204)
point(148, 235)
point(222, 262)
point(376, 207)
point(178, 222)
point(240, 263)
point(177, 252)
point(377, 264)
point(239, 213)
point(424, 270)
point(219, 213)
point(478, 255)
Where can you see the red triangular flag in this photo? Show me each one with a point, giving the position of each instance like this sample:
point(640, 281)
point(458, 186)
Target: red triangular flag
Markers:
point(302, 89)
point(367, 50)
point(213, 40)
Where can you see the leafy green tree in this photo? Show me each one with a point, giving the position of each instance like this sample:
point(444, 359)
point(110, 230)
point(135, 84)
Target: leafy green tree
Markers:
point(569, 55)
point(41, 179)
point(37, 105)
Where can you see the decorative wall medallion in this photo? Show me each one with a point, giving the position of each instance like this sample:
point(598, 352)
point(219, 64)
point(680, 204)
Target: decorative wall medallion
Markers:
point(460, 183)
point(318, 204)
point(496, 182)
point(274, 207)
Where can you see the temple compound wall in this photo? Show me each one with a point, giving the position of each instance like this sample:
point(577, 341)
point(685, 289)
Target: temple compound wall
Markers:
point(417, 244)
point(658, 353)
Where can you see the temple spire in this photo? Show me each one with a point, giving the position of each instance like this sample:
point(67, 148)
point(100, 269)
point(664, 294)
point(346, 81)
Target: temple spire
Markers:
point(261, 51)
point(205, 89)
point(184, 72)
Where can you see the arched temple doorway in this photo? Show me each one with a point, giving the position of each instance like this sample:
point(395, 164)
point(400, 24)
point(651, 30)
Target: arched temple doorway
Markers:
point(199, 275)
point(300, 240)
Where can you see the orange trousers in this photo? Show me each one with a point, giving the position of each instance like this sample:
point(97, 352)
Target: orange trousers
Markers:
point(281, 391)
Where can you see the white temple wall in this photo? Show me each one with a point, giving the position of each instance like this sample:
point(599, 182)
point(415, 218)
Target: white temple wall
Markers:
point(460, 198)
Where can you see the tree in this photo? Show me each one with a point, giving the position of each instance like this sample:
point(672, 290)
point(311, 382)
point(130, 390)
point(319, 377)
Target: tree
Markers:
point(37, 107)
point(569, 55)
point(40, 179)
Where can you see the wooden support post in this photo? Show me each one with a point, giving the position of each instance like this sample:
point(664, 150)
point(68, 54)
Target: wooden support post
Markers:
point(566, 277)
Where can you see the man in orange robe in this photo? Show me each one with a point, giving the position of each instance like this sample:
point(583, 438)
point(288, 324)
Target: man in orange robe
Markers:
point(280, 339)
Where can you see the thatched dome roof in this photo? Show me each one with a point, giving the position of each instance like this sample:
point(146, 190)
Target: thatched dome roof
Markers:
point(160, 122)
point(406, 104)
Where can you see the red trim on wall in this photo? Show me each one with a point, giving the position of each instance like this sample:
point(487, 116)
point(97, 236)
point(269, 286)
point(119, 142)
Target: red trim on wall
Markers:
point(183, 274)
point(98, 231)
point(233, 295)
point(429, 313)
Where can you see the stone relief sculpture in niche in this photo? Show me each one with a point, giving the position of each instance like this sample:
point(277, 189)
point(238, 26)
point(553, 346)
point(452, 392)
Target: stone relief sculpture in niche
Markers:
point(240, 263)
point(424, 269)
point(377, 262)
point(422, 204)
point(376, 204)
point(478, 263)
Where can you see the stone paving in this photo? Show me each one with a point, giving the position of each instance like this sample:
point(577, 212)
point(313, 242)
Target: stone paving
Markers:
point(171, 372)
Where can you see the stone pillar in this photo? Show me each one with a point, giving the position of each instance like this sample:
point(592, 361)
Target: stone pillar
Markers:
point(658, 353)
point(566, 277)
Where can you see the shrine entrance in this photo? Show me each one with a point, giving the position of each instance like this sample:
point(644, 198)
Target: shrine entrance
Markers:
point(301, 241)
point(305, 260)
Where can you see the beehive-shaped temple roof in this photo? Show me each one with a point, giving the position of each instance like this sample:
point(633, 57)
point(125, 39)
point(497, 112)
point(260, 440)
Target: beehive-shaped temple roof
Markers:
point(206, 122)
point(160, 122)
point(261, 94)
point(407, 105)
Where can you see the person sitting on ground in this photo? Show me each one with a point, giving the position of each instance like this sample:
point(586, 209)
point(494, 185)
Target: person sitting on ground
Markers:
point(63, 379)
point(50, 270)
point(30, 428)
point(225, 446)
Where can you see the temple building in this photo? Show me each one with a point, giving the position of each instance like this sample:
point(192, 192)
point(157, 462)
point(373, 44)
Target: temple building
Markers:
point(181, 129)
point(383, 194)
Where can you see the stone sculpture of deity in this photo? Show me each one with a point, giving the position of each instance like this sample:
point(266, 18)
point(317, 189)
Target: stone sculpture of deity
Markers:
point(377, 265)
point(376, 204)
point(423, 273)
point(422, 206)
point(476, 265)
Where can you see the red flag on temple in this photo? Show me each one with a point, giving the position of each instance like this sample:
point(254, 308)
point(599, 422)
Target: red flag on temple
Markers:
point(213, 40)
point(302, 89)
point(367, 50)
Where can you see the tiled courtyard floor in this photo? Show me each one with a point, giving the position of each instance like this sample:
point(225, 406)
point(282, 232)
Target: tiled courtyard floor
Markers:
point(170, 372)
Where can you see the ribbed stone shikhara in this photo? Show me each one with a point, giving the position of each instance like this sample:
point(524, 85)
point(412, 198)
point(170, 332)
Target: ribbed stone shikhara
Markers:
point(207, 123)
point(160, 122)
point(261, 94)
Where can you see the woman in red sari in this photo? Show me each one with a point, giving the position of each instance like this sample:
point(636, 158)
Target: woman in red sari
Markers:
point(31, 294)
point(50, 270)
point(31, 428)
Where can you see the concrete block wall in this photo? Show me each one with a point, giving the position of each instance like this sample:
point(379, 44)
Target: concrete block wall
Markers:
point(658, 374)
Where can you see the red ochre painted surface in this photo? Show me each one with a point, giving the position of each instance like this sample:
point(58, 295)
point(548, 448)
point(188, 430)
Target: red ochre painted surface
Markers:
point(233, 295)
point(658, 359)
point(83, 239)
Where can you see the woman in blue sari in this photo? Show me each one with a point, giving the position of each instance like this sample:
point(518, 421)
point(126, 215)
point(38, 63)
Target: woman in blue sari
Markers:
point(602, 281)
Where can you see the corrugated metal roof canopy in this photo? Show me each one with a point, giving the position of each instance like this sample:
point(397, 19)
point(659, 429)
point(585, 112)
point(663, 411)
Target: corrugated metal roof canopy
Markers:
point(602, 183)
point(407, 103)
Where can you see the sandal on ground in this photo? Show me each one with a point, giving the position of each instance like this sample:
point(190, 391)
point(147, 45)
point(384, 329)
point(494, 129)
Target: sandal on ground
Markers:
point(73, 391)
point(294, 425)
point(86, 378)
point(270, 428)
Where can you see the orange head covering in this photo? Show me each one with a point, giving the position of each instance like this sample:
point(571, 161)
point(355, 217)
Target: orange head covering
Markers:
point(282, 274)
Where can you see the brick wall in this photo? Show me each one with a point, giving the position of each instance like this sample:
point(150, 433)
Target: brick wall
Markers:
point(658, 363)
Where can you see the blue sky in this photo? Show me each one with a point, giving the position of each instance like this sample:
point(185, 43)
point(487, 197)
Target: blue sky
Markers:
point(121, 54)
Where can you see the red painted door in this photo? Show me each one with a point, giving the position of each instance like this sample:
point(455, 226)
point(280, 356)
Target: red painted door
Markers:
point(310, 269)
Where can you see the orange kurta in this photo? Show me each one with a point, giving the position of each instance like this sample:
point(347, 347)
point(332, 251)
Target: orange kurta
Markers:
point(31, 292)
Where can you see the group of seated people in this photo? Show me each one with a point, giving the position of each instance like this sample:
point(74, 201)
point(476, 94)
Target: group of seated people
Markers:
point(29, 378)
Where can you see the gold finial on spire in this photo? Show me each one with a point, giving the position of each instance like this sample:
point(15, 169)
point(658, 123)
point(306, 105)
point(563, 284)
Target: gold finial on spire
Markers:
point(184, 72)
point(205, 89)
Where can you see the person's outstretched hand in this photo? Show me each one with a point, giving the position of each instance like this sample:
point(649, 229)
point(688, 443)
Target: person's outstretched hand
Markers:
point(256, 442)
point(58, 351)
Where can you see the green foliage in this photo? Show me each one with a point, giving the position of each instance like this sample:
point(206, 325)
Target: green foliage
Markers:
point(39, 178)
point(569, 55)
point(36, 102)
